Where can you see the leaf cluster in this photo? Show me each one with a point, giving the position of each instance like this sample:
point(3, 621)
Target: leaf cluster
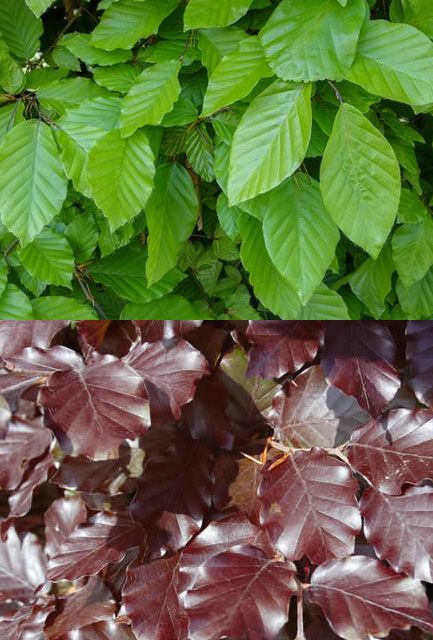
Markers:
point(208, 480)
point(239, 159)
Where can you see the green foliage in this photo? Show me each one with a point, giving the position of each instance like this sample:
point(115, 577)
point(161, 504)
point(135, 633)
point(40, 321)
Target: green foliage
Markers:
point(227, 160)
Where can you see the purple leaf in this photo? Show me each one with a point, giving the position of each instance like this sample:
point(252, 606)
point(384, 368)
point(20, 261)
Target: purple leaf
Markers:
point(22, 567)
point(63, 516)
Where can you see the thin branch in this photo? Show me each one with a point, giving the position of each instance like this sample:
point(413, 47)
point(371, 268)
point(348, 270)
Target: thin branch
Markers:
point(300, 634)
point(336, 91)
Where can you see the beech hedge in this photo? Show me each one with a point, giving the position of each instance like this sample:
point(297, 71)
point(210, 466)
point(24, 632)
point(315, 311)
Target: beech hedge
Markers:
point(216, 480)
point(216, 159)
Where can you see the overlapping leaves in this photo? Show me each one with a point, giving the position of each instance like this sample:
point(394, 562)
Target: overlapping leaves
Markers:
point(219, 160)
point(202, 476)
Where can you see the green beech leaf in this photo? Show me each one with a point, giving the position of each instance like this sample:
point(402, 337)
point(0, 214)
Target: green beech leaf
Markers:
point(126, 21)
point(32, 181)
point(208, 13)
point(325, 304)
point(79, 44)
point(236, 76)
point(217, 43)
point(14, 304)
point(39, 6)
point(19, 28)
point(412, 250)
point(371, 282)
point(168, 308)
point(273, 291)
point(61, 308)
point(300, 235)
point(418, 13)
point(49, 258)
point(171, 213)
point(360, 180)
point(121, 172)
point(394, 61)
point(417, 300)
point(312, 39)
point(271, 140)
point(152, 95)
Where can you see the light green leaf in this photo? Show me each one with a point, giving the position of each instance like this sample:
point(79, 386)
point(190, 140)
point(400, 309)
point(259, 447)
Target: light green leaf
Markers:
point(360, 180)
point(152, 95)
point(61, 308)
point(70, 92)
point(300, 236)
point(126, 21)
point(312, 39)
point(208, 13)
point(418, 13)
point(273, 291)
point(49, 258)
point(228, 217)
point(79, 44)
point(119, 77)
point(10, 115)
point(3, 275)
point(171, 212)
point(167, 308)
point(411, 209)
point(32, 181)
point(200, 152)
point(271, 140)
point(417, 300)
point(372, 281)
point(394, 61)
point(19, 28)
point(125, 272)
point(120, 173)
point(412, 250)
point(12, 79)
point(325, 304)
point(236, 76)
point(217, 43)
point(15, 305)
point(82, 234)
point(39, 6)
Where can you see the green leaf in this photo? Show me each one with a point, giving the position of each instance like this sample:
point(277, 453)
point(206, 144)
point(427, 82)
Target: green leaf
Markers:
point(208, 13)
point(171, 213)
point(32, 181)
point(236, 76)
point(39, 6)
point(200, 152)
point(412, 250)
point(82, 234)
point(125, 272)
point(371, 282)
point(271, 140)
point(49, 258)
point(79, 44)
point(273, 291)
point(152, 95)
point(126, 21)
point(120, 173)
point(11, 76)
point(394, 61)
point(217, 43)
point(119, 77)
point(312, 39)
point(19, 28)
point(166, 308)
point(417, 300)
point(10, 115)
point(411, 209)
point(360, 180)
point(325, 304)
point(14, 304)
point(300, 236)
point(418, 13)
point(3, 275)
point(61, 308)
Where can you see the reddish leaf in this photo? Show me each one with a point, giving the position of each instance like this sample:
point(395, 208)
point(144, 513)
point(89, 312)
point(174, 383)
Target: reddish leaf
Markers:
point(170, 373)
point(361, 598)
point(360, 359)
point(155, 613)
point(27, 623)
point(92, 603)
point(308, 412)
point(90, 547)
point(154, 330)
point(401, 529)
point(15, 335)
point(236, 483)
point(309, 507)
point(100, 631)
point(95, 405)
point(108, 336)
point(22, 567)
point(62, 517)
point(394, 449)
point(420, 355)
point(241, 593)
point(280, 347)
point(174, 494)
point(20, 442)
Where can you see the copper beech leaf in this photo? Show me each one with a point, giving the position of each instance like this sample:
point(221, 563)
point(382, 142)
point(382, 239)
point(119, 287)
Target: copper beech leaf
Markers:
point(309, 412)
point(61, 518)
point(281, 347)
point(360, 359)
point(420, 356)
point(91, 546)
point(94, 405)
point(22, 567)
point(394, 449)
point(16, 335)
point(401, 529)
point(309, 506)
point(362, 598)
